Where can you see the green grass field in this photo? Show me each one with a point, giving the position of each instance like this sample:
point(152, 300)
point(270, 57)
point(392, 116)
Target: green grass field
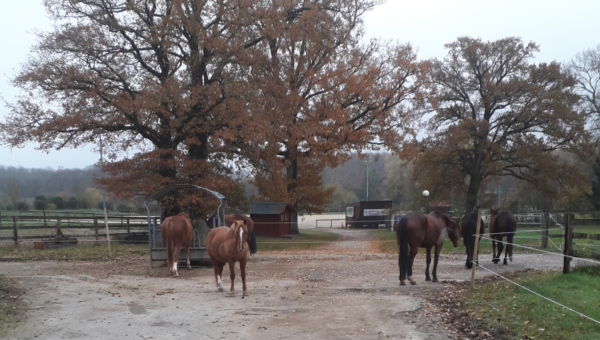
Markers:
point(310, 239)
point(505, 307)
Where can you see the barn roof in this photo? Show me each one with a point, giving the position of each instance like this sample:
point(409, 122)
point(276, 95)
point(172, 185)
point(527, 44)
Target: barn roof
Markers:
point(268, 208)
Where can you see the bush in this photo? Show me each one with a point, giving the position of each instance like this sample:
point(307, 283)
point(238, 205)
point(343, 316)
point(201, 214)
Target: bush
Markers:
point(39, 204)
point(72, 203)
point(51, 206)
point(58, 201)
point(22, 206)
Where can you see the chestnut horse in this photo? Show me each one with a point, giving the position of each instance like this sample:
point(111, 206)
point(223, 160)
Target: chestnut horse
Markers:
point(228, 245)
point(250, 237)
point(416, 230)
point(468, 229)
point(502, 224)
point(176, 231)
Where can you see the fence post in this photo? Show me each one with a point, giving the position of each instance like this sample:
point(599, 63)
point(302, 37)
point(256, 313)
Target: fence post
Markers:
point(45, 223)
point(96, 228)
point(127, 226)
point(545, 220)
point(568, 243)
point(476, 249)
point(15, 235)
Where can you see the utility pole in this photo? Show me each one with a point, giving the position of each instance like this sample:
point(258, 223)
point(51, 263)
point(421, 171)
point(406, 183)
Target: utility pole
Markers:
point(367, 177)
point(104, 204)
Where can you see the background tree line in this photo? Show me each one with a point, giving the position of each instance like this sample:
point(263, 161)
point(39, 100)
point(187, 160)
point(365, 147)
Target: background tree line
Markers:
point(202, 91)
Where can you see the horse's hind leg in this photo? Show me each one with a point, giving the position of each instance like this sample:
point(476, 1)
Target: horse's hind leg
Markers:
point(187, 254)
point(232, 274)
point(176, 252)
point(427, 278)
point(500, 248)
point(438, 249)
point(411, 260)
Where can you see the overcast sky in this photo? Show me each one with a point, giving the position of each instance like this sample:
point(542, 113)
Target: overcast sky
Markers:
point(561, 28)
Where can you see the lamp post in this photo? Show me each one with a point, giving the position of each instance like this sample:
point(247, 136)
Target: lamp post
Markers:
point(425, 194)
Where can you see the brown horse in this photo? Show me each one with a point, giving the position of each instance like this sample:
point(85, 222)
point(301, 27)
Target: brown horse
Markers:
point(502, 224)
point(468, 229)
point(177, 231)
point(426, 231)
point(250, 237)
point(228, 245)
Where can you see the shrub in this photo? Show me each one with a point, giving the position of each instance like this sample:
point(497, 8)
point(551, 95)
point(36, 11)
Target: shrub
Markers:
point(72, 203)
point(22, 206)
point(58, 201)
point(39, 204)
point(51, 206)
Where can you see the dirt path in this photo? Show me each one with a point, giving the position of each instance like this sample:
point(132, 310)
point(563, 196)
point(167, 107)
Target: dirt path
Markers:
point(341, 291)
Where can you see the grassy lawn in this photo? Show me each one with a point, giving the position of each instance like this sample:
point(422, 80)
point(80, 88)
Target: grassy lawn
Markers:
point(505, 307)
point(84, 252)
point(310, 239)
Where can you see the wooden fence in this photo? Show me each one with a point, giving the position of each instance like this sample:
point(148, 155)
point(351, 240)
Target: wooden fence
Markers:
point(44, 226)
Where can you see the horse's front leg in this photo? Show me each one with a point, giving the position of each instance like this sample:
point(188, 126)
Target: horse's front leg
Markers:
point(220, 282)
point(438, 249)
point(428, 251)
point(469, 251)
point(243, 274)
point(232, 274)
point(494, 251)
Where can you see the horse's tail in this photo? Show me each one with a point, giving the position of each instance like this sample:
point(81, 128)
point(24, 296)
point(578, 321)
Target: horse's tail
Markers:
point(403, 248)
point(509, 238)
point(252, 245)
point(169, 240)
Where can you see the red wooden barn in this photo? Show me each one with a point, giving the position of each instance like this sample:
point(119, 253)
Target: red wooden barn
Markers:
point(271, 218)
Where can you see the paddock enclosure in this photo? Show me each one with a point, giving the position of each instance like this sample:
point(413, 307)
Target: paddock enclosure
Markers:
point(346, 287)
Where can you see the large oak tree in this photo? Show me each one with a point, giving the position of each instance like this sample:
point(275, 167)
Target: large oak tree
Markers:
point(498, 114)
point(176, 90)
point(324, 94)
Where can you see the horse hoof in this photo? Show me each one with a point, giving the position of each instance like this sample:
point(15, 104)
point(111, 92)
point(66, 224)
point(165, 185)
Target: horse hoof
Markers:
point(435, 280)
point(427, 279)
point(220, 289)
point(245, 294)
point(413, 282)
point(402, 283)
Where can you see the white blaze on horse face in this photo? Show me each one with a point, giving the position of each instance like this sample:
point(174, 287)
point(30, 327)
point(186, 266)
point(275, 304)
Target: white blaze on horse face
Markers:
point(443, 236)
point(241, 248)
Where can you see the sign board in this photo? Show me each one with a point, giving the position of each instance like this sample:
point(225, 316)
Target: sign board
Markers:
point(349, 211)
point(375, 212)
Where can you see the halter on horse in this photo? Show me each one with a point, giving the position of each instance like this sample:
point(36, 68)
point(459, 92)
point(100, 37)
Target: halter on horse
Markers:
point(502, 224)
point(228, 245)
point(416, 230)
point(177, 231)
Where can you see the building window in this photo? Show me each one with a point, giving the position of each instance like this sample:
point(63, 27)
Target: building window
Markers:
point(282, 217)
point(349, 211)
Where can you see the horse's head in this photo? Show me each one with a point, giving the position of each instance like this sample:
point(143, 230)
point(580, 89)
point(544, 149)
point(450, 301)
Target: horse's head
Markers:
point(240, 229)
point(453, 231)
point(494, 212)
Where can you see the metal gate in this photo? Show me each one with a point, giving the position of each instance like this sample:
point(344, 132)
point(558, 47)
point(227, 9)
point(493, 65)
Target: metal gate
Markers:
point(198, 253)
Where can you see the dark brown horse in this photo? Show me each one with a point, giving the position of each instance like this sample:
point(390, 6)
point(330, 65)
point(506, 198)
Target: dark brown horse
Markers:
point(426, 231)
point(177, 231)
point(251, 237)
point(468, 229)
point(228, 245)
point(502, 224)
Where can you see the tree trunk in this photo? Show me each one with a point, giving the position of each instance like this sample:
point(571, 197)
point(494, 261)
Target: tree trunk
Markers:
point(474, 182)
point(292, 176)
